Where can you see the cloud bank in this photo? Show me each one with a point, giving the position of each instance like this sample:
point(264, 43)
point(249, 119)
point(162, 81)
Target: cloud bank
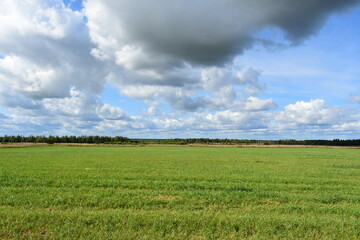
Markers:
point(175, 56)
point(186, 47)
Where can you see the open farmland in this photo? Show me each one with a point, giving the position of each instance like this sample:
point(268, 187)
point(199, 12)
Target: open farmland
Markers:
point(62, 192)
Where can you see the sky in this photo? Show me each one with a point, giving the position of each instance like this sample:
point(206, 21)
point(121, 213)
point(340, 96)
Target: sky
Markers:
point(244, 69)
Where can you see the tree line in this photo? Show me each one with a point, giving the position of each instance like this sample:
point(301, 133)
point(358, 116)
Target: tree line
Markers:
point(320, 142)
point(65, 139)
point(176, 141)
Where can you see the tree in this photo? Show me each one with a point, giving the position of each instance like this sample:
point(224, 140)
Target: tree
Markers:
point(50, 140)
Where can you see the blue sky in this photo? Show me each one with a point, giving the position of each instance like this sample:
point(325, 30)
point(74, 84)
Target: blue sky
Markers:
point(75, 5)
point(326, 66)
point(160, 69)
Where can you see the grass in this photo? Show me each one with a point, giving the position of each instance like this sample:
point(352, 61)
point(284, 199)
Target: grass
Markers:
point(53, 192)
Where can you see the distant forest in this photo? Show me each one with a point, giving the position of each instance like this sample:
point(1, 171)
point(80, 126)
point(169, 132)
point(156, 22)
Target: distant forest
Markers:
point(177, 141)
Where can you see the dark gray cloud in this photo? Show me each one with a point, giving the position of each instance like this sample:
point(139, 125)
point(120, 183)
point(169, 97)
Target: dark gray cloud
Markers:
point(301, 19)
point(205, 32)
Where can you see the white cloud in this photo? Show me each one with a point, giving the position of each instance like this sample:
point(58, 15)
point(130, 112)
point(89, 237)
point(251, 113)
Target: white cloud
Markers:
point(251, 78)
point(47, 73)
point(46, 50)
point(38, 17)
point(215, 89)
point(256, 104)
point(349, 126)
point(78, 105)
point(109, 112)
point(22, 76)
point(312, 114)
point(237, 120)
point(215, 78)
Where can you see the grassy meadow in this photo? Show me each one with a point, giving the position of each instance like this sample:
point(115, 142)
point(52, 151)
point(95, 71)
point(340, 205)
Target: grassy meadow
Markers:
point(62, 192)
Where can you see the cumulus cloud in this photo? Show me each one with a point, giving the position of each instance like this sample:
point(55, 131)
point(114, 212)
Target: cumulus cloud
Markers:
point(197, 32)
point(222, 120)
point(77, 105)
point(215, 89)
point(256, 104)
point(47, 72)
point(180, 52)
point(251, 78)
point(313, 114)
point(351, 126)
point(215, 78)
point(109, 112)
point(175, 55)
point(315, 119)
point(237, 120)
point(46, 51)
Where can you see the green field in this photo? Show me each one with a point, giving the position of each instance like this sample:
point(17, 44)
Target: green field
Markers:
point(54, 192)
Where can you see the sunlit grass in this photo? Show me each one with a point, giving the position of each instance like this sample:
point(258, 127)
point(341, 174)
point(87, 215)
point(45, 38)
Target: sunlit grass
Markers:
point(179, 193)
